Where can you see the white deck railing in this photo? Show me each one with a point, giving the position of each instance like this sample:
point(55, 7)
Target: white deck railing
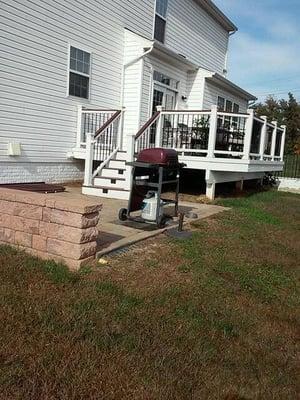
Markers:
point(101, 133)
point(214, 134)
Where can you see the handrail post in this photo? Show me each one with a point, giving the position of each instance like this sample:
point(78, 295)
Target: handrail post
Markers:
point(282, 145)
point(79, 126)
point(130, 148)
point(248, 134)
point(158, 135)
point(120, 129)
point(212, 131)
point(263, 138)
point(89, 159)
point(274, 136)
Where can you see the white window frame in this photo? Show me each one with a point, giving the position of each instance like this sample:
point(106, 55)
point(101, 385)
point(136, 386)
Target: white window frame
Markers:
point(86, 50)
point(223, 98)
point(163, 18)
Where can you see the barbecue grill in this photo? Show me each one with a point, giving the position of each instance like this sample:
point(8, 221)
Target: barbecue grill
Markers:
point(152, 172)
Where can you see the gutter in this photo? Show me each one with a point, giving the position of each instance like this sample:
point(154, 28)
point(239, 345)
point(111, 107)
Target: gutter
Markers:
point(219, 79)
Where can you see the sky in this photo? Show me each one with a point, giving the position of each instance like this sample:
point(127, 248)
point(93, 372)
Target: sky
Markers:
point(264, 55)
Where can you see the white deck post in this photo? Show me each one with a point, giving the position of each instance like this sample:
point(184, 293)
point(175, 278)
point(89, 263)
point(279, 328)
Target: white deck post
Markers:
point(212, 131)
point(158, 136)
point(274, 136)
point(263, 138)
point(130, 148)
point(282, 145)
point(89, 159)
point(120, 129)
point(210, 185)
point(79, 126)
point(248, 134)
point(211, 191)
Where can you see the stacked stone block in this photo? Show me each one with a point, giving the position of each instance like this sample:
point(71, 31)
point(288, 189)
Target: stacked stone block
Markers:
point(49, 226)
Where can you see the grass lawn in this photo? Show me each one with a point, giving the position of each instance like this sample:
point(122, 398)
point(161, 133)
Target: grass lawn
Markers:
point(215, 317)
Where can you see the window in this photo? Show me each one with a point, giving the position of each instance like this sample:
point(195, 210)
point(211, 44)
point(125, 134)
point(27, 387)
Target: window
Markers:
point(221, 103)
point(236, 108)
point(79, 73)
point(166, 80)
point(160, 20)
point(228, 106)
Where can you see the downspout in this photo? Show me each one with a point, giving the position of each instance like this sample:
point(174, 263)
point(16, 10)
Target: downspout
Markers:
point(227, 51)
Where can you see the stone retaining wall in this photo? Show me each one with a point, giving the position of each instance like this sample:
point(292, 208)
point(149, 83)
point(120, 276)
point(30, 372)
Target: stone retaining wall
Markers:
point(49, 226)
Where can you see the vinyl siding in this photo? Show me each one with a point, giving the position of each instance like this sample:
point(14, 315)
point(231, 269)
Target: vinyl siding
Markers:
point(212, 92)
point(135, 82)
point(192, 32)
point(34, 37)
point(195, 90)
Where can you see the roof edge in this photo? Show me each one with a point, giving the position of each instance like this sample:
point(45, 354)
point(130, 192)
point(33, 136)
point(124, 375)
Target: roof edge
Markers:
point(219, 79)
point(178, 57)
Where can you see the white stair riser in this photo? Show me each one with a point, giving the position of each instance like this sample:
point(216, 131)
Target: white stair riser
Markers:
point(112, 194)
point(121, 156)
point(116, 164)
point(112, 173)
point(99, 181)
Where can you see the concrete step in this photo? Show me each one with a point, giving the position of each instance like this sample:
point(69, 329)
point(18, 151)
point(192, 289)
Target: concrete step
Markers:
point(107, 192)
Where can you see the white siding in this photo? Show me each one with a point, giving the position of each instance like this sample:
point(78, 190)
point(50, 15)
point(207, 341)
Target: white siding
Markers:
point(212, 92)
point(34, 37)
point(136, 81)
point(192, 32)
point(195, 90)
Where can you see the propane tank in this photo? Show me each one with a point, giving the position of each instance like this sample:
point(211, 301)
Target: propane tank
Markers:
point(149, 207)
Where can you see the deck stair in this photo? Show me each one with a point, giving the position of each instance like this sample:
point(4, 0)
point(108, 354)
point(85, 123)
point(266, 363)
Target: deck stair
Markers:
point(113, 180)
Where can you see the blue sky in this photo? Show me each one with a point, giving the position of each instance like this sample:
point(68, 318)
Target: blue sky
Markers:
point(264, 55)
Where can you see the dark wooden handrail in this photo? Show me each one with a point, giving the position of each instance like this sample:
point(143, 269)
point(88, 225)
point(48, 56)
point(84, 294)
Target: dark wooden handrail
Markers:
point(186, 111)
point(98, 110)
point(107, 123)
point(147, 124)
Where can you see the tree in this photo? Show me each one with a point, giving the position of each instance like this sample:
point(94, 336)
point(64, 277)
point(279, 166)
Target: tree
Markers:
point(286, 112)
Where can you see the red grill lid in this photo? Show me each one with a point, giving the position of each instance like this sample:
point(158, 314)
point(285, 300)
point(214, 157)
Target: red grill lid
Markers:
point(158, 156)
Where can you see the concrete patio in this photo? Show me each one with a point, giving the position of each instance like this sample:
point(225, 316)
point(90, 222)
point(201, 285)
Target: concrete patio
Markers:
point(114, 234)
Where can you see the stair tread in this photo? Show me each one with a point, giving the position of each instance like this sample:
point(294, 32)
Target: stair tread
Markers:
point(115, 169)
point(107, 188)
point(111, 177)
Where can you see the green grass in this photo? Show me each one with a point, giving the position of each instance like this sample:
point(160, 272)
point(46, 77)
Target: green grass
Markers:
point(213, 317)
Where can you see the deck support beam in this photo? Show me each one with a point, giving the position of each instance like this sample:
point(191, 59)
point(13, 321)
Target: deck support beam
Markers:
point(210, 185)
point(239, 185)
point(210, 191)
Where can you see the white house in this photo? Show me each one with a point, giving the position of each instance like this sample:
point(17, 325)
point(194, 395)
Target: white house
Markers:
point(86, 85)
